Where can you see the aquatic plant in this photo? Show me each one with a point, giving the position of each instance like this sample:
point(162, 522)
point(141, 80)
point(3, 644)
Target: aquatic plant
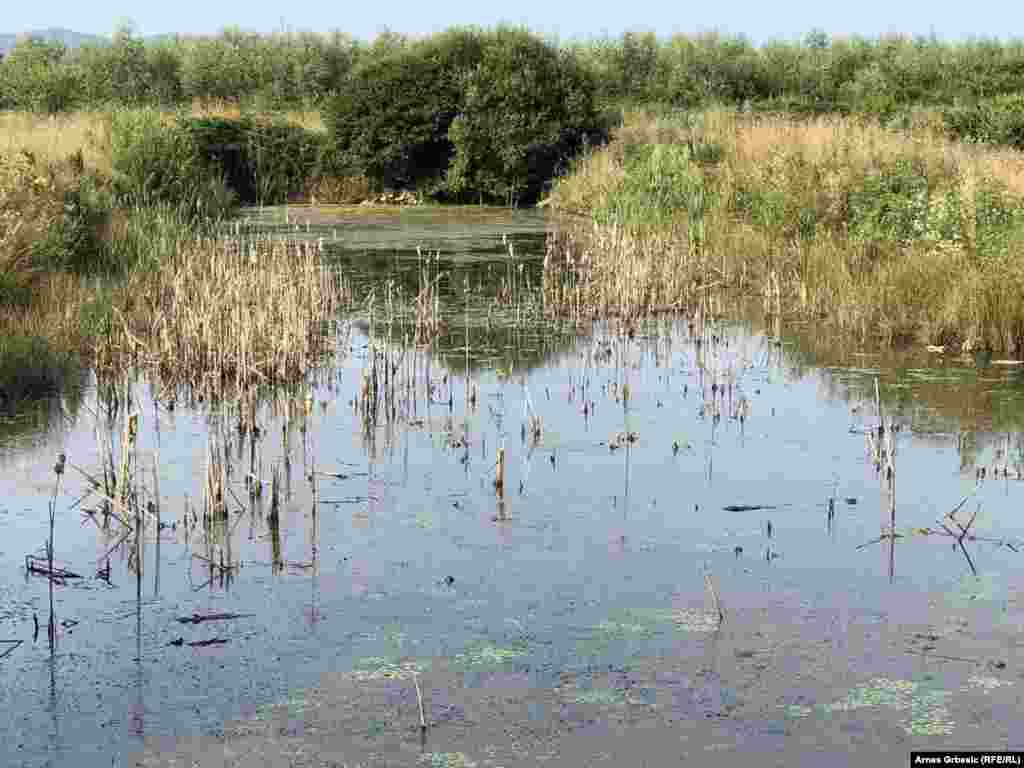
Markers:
point(489, 655)
point(604, 696)
point(923, 709)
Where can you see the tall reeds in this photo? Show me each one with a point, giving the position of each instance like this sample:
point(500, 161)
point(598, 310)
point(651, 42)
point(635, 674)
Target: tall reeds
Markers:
point(221, 315)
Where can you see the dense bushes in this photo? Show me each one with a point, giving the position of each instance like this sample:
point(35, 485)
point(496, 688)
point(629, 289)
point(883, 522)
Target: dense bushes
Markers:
point(999, 120)
point(157, 163)
point(467, 115)
point(205, 166)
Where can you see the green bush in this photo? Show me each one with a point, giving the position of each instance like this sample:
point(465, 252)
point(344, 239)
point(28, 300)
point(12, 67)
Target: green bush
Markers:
point(999, 120)
point(35, 77)
point(75, 242)
point(525, 109)
point(260, 162)
point(391, 123)
point(155, 163)
point(31, 368)
point(891, 205)
point(466, 115)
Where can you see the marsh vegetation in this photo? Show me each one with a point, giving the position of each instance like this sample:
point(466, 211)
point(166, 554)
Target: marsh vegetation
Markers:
point(760, 331)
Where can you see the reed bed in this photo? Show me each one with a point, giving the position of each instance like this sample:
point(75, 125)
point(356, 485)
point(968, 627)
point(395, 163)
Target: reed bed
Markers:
point(222, 315)
point(898, 236)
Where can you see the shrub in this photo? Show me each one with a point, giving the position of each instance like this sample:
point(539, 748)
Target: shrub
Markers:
point(391, 123)
point(465, 115)
point(525, 109)
point(999, 120)
point(158, 163)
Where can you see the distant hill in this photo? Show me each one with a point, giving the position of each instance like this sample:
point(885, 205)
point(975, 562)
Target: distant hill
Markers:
point(69, 37)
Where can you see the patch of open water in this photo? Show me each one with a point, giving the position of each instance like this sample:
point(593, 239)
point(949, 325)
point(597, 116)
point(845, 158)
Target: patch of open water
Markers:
point(582, 591)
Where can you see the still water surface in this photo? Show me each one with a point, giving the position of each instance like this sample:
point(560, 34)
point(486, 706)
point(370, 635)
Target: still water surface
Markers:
point(610, 517)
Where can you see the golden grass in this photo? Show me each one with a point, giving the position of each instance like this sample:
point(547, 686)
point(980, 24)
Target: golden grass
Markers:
point(224, 315)
point(53, 138)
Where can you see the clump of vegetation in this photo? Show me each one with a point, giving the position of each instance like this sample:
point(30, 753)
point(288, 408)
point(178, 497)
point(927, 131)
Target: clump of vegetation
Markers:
point(899, 236)
point(30, 367)
point(996, 120)
point(219, 316)
point(467, 115)
point(157, 162)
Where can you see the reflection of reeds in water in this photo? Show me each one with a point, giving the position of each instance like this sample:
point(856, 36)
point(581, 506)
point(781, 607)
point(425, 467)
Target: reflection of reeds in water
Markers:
point(428, 303)
point(214, 504)
point(274, 519)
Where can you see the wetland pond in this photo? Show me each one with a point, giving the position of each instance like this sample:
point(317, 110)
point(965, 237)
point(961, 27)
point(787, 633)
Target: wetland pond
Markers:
point(650, 475)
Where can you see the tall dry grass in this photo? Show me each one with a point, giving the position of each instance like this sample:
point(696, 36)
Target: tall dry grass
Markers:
point(221, 316)
point(896, 235)
point(56, 137)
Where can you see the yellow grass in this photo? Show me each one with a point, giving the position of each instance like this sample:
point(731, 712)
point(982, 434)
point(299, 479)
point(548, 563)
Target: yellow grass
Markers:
point(53, 138)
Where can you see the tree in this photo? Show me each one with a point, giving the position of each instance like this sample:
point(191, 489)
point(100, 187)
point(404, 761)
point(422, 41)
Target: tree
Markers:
point(35, 77)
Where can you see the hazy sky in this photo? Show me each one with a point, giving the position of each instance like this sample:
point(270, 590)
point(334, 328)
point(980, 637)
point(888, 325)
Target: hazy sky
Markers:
point(757, 19)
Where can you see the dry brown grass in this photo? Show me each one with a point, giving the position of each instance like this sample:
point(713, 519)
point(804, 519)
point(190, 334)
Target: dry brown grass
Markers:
point(310, 119)
point(338, 190)
point(56, 137)
point(225, 315)
point(53, 138)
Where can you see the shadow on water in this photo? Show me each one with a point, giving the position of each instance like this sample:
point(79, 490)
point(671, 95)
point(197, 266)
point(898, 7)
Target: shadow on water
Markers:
point(523, 536)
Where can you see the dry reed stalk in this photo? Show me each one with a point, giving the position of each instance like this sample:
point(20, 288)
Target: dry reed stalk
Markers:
point(419, 699)
point(218, 323)
point(214, 502)
point(499, 477)
point(714, 596)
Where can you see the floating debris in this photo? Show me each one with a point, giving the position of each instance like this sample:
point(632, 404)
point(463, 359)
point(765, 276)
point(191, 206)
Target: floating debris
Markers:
point(447, 760)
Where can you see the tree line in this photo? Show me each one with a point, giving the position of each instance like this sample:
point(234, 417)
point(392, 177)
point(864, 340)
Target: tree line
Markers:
point(817, 73)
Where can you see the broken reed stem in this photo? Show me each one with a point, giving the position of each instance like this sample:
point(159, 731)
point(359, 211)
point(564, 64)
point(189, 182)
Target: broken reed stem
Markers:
point(714, 596)
point(419, 699)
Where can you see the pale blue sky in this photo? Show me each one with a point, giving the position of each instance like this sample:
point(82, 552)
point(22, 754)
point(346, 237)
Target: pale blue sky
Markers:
point(759, 20)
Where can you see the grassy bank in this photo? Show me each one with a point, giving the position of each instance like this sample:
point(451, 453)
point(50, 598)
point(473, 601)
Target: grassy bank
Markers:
point(898, 236)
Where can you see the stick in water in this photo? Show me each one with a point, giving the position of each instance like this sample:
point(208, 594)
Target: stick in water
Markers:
point(419, 699)
point(714, 596)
